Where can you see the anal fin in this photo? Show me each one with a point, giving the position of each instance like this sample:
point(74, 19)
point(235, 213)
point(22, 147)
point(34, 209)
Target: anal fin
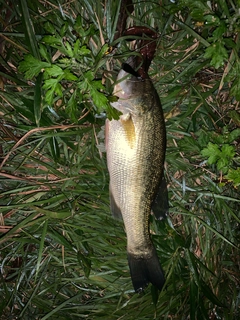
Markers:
point(116, 211)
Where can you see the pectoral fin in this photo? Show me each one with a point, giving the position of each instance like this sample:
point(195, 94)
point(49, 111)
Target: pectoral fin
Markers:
point(129, 129)
point(160, 204)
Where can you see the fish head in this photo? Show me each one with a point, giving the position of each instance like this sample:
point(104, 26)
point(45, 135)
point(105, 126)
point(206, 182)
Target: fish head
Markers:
point(133, 92)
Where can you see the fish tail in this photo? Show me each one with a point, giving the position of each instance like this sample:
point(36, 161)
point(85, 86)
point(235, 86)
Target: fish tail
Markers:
point(144, 270)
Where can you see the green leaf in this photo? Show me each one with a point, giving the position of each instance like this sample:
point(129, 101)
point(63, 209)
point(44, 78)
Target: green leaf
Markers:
point(85, 263)
point(211, 20)
point(53, 40)
point(234, 176)
point(29, 29)
point(217, 53)
point(99, 99)
point(197, 9)
point(54, 147)
point(97, 84)
point(235, 88)
point(50, 83)
point(71, 108)
point(54, 71)
point(68, 75)
point(235, 134)
point(54, 87)
point(32, 66)
point(222, 164)
point(69, 49)
point(228, 151)
point(101, 53)
point(212, 152)
point(41, 246)
point(219, 32)
point(59, 238)
point(206, 290)
point(64, 29)
point(194, 297)
point(89, 75)
point(56, 42)
point(38, 98)
point(49, 27)
point(44, 53)
point(83, 51)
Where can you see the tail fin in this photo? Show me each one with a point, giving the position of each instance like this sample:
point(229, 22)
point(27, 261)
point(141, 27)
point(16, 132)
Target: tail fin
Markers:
point(144, 270)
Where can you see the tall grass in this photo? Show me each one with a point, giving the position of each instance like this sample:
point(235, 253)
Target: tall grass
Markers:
point(62, 254)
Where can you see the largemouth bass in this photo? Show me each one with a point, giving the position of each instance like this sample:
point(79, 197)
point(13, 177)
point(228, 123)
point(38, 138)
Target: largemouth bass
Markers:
point(135, 146)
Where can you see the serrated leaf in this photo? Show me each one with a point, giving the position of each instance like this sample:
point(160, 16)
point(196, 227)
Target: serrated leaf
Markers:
point(228, 151)
point(56, 42)
point(44, 53)
point(219, 31)
point(58, 90)
point(217, 53)
point(49, 97)
point(203, 138)
point(54, 71)
point(54, 87)
point(222, 164)
point(71, 108)
point(234, 176)
point(50, 83)
point(32, 66)
point(69, 49)
point(112, 113)
point(64, 29)
point(49, 27)
point(101, 53)
point(76, 47)
point(212, 152)
point(68, 75)
point(83, 51)
point(235, 134)
point(52, 40)
point(89, 75)
point(97, 84)
point(99, 99)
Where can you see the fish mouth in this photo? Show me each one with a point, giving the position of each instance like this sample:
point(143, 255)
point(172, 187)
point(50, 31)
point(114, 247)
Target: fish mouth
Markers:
point(129, 69)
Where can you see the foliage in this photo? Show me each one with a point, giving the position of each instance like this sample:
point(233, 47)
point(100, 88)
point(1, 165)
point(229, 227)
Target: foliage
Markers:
point(62, 255)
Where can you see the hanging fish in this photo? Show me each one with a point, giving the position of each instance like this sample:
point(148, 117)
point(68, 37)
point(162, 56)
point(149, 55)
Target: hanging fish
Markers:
point(135, 146)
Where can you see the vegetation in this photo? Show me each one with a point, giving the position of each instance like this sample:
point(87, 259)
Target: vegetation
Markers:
point(62, 254)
